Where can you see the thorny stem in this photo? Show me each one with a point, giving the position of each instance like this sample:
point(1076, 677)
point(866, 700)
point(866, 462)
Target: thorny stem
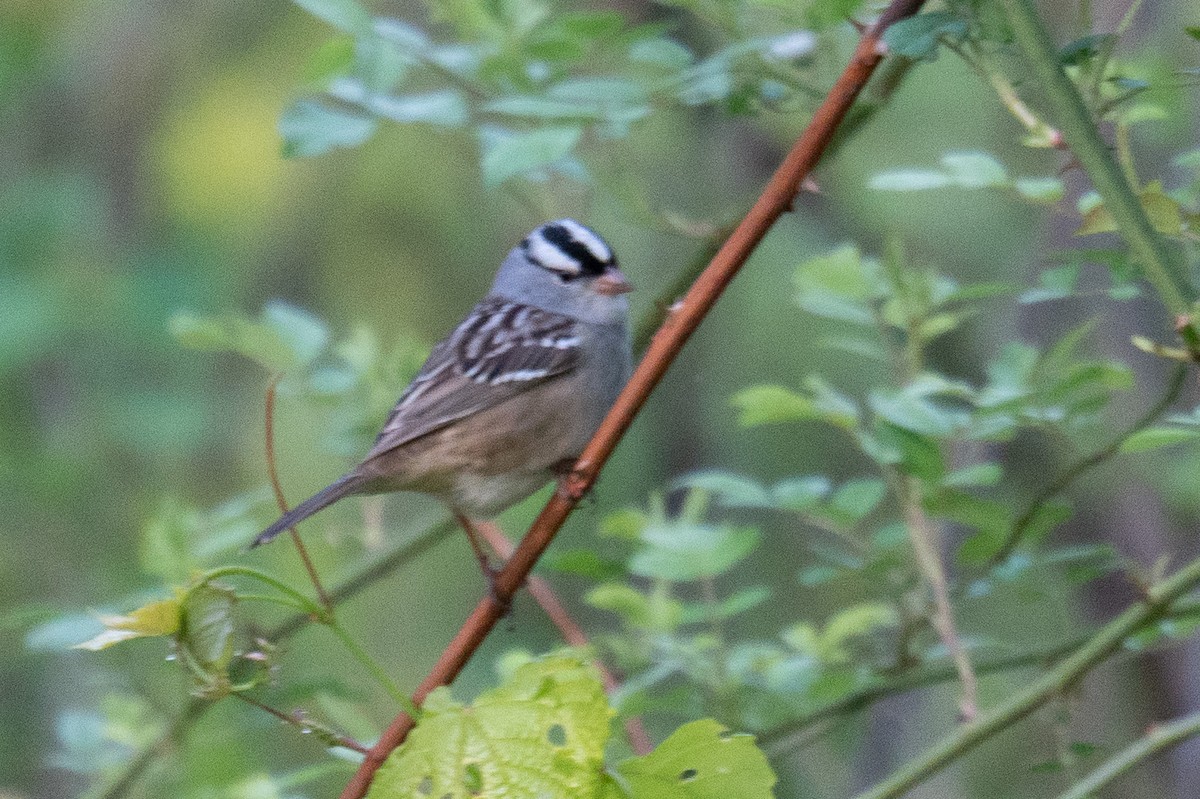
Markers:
point(775, 200)
point(272, 472)
point(1055, 487)
point(546, 597)
point(1158, 265)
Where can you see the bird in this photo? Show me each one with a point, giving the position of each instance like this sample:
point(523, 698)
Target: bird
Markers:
point(506, 402)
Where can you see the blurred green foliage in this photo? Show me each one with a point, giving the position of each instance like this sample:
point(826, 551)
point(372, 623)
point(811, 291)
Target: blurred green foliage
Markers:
point(165, 247)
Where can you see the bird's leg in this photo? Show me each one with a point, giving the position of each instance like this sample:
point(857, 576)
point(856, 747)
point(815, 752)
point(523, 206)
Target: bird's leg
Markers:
point(485, 563)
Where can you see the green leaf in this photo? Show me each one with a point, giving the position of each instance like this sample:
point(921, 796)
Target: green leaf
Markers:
point(681, 551)
point(981, 474)
point(1041, 190)
point(206, 626)
point(973, 170)
point(838, 285)
point(1164, 214)
point(852, 622)
point(920, 455)
point(1084, 48)
point(1053, 284)
point(1158, 437)
point(732, 490)
point(445, 107)
point(856, 498)
point(917, 37)
point(512, 154)
point(331, 59)
point(540, 733)
point(700, 760)
point(772, 404)
point(1193, 31)
point(740, 602)
point(346, 15)
point(799, 493)
point(628, 603)
point(909, 180)
point(310, 127)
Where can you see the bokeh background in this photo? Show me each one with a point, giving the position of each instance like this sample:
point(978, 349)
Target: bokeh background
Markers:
point(141, 176)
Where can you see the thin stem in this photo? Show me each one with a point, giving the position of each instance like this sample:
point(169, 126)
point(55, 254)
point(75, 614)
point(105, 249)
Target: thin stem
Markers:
point(1108, 639)
point(1021, 526)
point(1161, 736)
point(301, 601)
point(543, 593)
point(368, 662)
point(924, 537)
point(778, 740)
point(304, 726)
point(1159, 268)
point(687, 315)
point(273, 473)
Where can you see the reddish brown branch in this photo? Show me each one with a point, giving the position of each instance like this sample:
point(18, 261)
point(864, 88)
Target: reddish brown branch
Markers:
point(272, 472)
point(572, 633)
point(685, 317)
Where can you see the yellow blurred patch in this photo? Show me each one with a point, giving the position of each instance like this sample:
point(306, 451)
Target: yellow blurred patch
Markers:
point(218, 157)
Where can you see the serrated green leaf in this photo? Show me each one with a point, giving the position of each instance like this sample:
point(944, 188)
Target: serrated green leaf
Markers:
point(514, 154)
point(700, 760)
point(541, 733)
point(1158, 437)
point(310, 127)
point(772, 404)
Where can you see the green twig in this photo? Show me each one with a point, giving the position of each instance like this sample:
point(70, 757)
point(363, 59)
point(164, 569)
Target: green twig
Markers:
point(1021, 526)
point(1160, 737)
point(1120, 199)
point(1108, 639)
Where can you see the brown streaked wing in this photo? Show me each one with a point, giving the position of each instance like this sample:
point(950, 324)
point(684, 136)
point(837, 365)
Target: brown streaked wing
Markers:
point(500, 350)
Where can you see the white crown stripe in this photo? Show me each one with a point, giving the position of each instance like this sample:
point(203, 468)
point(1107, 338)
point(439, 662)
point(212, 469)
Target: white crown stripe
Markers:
point(550, 256)
point(587, 238)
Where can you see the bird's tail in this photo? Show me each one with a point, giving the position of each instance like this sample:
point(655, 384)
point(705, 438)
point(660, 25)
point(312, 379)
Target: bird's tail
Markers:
point(343, 486)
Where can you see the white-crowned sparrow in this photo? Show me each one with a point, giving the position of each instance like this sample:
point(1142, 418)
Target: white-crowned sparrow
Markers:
point(510, 398)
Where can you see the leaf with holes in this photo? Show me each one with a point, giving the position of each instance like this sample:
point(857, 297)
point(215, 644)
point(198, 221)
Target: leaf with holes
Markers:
point(541, 733)
point(700, 760)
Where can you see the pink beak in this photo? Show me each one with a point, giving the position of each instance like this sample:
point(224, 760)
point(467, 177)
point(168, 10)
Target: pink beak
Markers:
point(612, 282)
